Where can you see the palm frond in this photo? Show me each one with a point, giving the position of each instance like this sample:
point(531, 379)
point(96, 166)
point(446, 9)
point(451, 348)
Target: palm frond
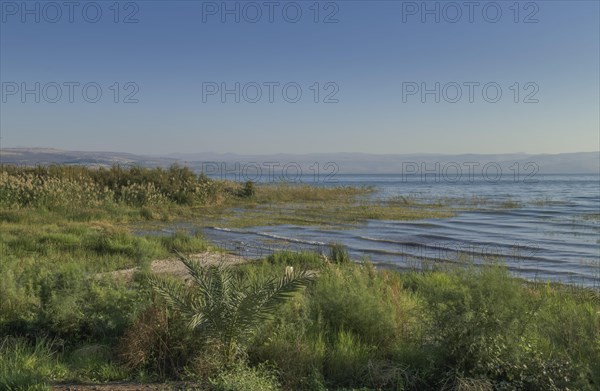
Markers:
point(197, 321)
point(175, 294)
point(200, 275)
point(224, 306)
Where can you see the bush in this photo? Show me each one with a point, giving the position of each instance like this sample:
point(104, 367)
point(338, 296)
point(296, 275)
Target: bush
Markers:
point(113, 241)
point(294, 344)
point(157, 343)
point(352, 327)
point(347, 360)
point(227, 307)
point(356, 299)
point(486, 325)
point(243, 378)
point(62, 301)
point(66, 187)
point(247, 191)
point(338, 253)
point(184, 243)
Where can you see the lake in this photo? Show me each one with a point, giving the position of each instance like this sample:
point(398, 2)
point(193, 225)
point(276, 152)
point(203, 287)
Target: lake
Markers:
point(543, 228)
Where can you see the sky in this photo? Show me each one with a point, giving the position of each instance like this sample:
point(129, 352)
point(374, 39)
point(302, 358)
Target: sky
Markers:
point(157, 77)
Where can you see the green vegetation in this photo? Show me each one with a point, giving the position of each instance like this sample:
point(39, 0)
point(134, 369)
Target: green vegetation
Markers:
point(26, 365)
point(260, 325)
point(243, 378)
point(136, 194)
point(305, 260)
point(334, 213)
point(226, 307)
point(359, 327)
point(338, 253)
point(591, 216)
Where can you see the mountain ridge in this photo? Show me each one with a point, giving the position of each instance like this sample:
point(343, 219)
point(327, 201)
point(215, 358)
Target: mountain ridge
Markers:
point(345, 162)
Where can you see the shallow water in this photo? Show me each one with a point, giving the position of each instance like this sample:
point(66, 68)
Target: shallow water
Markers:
point(550, 232)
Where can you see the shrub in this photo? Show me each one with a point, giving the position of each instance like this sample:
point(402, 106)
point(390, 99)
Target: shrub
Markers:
point(295, 344)
point(352, 327)
point(347, 360)
point(243, 378)
point(486, 325)
point(156, 343)
point(247, 191)
point(184, 243)
point(356, 299)
point(66, 187)
point(110, 240)
point(225, 306)
point(338, 253)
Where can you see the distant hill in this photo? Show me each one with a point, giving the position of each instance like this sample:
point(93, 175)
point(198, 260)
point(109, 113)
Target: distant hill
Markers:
point(350, 163)
point(46, 156)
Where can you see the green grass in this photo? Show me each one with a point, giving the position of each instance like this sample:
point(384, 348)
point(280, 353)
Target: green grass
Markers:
point(184, 243)
point(329, 214)
point(304, 259)
point(65, 318)
point(359, 327)
point(124, 196)
point(243, 378)
point(28, 366)
point(354, 326)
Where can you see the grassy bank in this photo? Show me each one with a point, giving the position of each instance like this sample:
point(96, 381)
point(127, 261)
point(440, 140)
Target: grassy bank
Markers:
point(64, 318)
point(351, 327)
point(162, 195)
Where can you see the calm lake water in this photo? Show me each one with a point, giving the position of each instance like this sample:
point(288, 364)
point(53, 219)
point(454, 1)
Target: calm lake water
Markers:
point(547, 229)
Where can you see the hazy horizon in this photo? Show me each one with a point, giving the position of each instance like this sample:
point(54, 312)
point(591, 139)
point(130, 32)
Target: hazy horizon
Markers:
point(200, 152)
point(342, 162)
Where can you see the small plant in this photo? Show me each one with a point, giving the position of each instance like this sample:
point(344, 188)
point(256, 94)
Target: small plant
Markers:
point(242, 378)
point(27, 367)
point(338, 253)
point(248, 190)
point(185, 243)
point(225, 306)
point(302, 259)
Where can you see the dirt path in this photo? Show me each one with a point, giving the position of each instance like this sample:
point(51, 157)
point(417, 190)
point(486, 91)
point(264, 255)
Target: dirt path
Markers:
point(127, 387)
point(175, 267)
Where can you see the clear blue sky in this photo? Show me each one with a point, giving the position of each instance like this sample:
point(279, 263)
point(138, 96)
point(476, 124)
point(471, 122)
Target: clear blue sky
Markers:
point(375, 51)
